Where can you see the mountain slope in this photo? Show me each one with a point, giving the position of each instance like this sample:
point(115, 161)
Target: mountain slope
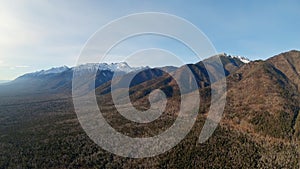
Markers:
point(57, 82)
point(289, 64)
point(167, 83)
point(260, 127)
point(263, 99)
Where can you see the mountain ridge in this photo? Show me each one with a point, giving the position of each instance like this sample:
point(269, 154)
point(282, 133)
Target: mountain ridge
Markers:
point(260, 127)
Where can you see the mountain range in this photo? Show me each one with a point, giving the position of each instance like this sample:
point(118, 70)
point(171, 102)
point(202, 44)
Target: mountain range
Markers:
point(260, 127)
point(58, 81)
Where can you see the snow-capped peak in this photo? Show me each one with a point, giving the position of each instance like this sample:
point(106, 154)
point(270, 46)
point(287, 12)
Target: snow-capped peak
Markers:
point(115, 67)
point(241, 58)
point(53, 70)
point(90, 67)
point(49, 71)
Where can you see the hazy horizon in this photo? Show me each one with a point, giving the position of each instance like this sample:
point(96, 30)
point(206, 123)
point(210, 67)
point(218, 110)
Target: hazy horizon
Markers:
point(151, 66)
point(41, 35)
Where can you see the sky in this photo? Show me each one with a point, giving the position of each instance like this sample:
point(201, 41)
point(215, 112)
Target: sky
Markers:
point(36, 35)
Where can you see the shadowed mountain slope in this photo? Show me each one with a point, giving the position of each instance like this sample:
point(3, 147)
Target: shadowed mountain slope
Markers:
point(289, 64)
point(141, 85)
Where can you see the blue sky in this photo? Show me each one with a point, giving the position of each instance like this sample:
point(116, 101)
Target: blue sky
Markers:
point(38, 35)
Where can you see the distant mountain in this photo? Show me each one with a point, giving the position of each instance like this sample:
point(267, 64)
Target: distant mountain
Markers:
point(151, 79)
point(55, 70)
point(58, 81)
point(241, 58)
point(143, 76)
point(113, 67)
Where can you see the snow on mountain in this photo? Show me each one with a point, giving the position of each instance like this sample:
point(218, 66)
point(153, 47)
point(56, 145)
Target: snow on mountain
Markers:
point(53, 70)
point(114, 67)
point(241, 58)
point(47, 72)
